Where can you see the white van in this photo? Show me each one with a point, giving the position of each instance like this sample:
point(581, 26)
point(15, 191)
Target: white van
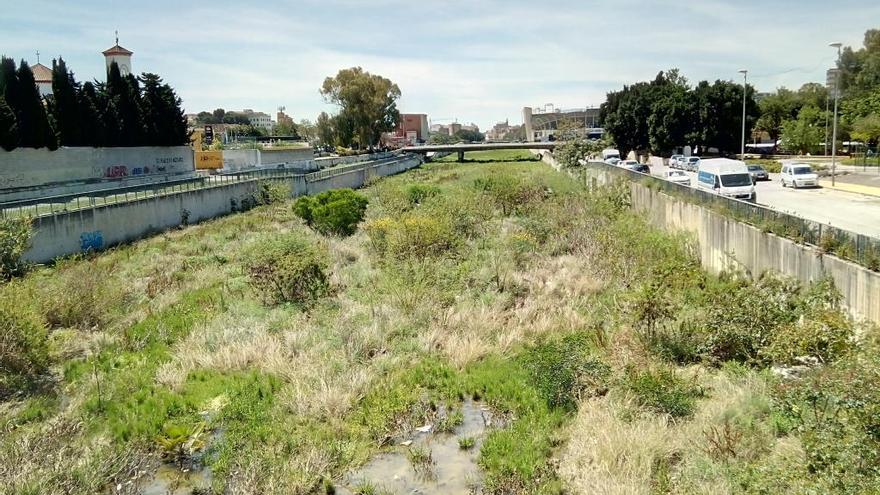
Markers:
point(726, 177)
point(798, 175)
point(609, 153)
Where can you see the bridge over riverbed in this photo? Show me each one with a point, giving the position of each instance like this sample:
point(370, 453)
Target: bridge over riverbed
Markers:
point(461, 149)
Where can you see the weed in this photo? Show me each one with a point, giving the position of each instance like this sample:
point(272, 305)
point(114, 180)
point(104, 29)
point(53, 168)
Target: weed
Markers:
point(466, 443)
point(662, 391)
point(15, 239)
point(421, 459)
point(288, 268)
point(24, 349)
point(448, 423)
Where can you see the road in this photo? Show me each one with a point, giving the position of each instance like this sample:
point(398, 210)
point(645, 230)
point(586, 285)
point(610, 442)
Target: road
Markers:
point(850, 211)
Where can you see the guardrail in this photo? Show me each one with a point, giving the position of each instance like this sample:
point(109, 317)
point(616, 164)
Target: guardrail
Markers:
point(859, 248)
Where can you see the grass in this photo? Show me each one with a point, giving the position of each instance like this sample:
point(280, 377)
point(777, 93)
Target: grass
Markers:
point(594, 341)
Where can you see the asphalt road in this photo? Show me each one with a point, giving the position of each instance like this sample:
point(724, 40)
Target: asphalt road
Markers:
point(850, 211)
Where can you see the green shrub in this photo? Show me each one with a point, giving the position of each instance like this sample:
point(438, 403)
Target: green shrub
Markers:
point(662, 391)
point(288, 268)
point(82, 295)
point(15, 239)
point(24, 348)
point(564, 371)
point(332, 212)
point(412, 237)
point(273, 192)
point(417, 193)
point(510, 194)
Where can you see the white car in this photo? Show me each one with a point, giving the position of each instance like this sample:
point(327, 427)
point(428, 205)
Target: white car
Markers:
point(673, 161)
point(630, 164)
point(678, 176)
point(612, 161)
point(691, 163)
point(798, 175)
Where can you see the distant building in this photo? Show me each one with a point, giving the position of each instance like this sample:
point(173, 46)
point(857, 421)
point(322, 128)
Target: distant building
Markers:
point(121, 56)
point(43, 78)
point(542, 122)
point(259, 119)
point(503, 131)
point(411, 129)
point(283, 118)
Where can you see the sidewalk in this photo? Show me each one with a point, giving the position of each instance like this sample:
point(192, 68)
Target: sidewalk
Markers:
point(850, 187)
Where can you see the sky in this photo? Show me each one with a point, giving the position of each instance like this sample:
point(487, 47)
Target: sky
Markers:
point(472, 61)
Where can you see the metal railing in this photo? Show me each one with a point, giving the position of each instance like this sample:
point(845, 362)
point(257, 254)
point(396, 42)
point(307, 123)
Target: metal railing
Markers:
point(859, 248)
point(54, 205)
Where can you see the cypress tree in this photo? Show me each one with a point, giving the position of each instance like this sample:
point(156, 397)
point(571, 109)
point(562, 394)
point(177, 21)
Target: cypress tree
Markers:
point(163, 115)
point(124, 95)
point(32, 119)
point(8, 126)
point(91, 119)
point(109, 114)
point(10, 93)
point(65, 107)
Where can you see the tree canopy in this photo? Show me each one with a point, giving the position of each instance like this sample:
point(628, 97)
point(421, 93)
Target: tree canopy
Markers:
point(367, 103)
point(124, 111)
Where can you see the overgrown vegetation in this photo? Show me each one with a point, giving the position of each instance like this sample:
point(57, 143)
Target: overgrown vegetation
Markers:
point(605, 358)
point(335, 212)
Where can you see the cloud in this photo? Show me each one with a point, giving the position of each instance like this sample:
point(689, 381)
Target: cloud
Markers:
point(477, 61)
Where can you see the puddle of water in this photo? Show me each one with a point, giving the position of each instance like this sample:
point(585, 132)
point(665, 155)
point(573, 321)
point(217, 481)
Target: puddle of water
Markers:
point(452, 471)
point(171, 480)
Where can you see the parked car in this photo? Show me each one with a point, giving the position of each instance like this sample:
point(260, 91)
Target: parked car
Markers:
point(630, 164)
point(641, 167)
point(798, 175)
point(678, 176)
point(612, 161)
point(758, 173)
point(673, 161)
point(691, 163)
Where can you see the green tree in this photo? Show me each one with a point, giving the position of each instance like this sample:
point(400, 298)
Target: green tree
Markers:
point(65, 105)
point(164, 121)
point(804, 134)
point(8, 127)
point(92, 120)
point(286, 129)
point(441, 138)
point(324, 129)
point(123, 94)
point(867, 129)
point(469, 136)
point(33, 122)
point(671, 116)
point(307, 130)
point(777, 109)
point(369, 101)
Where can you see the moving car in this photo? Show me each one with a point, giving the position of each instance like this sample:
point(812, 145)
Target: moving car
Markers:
point(726, 177)
point(612, 161)
point(609, 153)
point(798, 175)
point(691, 163)
point(630, 164)
point(673, 161)
point(678, 176)
point(758, 173)
point(641, 167)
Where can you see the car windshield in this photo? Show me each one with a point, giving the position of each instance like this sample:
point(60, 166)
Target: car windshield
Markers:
point(754, 168)
point(693, 160)
point(802, 170)
point(735, 180)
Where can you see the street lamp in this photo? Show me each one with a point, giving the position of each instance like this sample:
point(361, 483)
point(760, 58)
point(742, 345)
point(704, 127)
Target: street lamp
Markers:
point(742, 149)
point(834, 127)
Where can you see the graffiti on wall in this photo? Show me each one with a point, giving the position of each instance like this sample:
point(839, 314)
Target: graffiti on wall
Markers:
point(116, 171)
point(91, 241)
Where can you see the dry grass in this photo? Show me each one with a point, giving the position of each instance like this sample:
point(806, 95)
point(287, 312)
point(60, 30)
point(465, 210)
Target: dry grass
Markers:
point(616, 449)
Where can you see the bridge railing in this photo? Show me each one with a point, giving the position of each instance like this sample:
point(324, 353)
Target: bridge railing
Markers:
point(859, 248)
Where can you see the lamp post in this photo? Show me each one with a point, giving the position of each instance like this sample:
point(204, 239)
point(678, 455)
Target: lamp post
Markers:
point(742, 149)
point(834, 127)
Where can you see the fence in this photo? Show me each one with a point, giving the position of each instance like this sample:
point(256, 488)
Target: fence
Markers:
point(53, 205)
point(859, 248)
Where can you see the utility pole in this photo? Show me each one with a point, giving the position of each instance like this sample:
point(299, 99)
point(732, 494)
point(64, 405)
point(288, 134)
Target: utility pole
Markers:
point(834, 131)
point(742, 149)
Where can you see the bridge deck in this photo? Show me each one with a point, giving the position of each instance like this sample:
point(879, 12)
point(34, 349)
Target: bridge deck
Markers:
point(479, 147)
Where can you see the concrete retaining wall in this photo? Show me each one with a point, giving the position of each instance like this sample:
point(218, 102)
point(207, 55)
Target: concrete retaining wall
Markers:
point(27, 173)
point(234, 160)
point(289, 156)
point(97, 228)
point(725, 243)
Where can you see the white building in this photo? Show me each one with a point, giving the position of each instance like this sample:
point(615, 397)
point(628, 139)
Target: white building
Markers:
point(121, 56)
point(259, 119)
point(43, 78)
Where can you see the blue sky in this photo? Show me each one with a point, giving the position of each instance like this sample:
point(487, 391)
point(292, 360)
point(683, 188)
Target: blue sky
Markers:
point(479, 61)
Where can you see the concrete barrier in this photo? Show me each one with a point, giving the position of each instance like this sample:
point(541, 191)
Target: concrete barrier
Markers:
point(27, 173)
point(100, 227)
point(725, 243)
point(235, 160)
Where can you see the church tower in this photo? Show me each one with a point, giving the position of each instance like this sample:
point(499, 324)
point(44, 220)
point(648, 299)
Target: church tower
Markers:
point(120, 55)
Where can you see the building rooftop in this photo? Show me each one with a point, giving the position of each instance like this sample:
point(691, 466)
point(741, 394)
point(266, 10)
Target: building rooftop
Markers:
point(117, 50)
point(41, 73)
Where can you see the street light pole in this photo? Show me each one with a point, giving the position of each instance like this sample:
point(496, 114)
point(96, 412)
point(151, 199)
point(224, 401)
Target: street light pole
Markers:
point(834, 127)
point(742, 149)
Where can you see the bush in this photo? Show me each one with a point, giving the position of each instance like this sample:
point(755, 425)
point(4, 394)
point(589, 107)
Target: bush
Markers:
point(332, 212)
point(82, 295)
point(273, 192)
point(288, 268)
point(564, 371)
point(417, 193)
point(662, 391)
point(24, 349)
point(15, 239)
point(412, 237)
point(509, 193)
